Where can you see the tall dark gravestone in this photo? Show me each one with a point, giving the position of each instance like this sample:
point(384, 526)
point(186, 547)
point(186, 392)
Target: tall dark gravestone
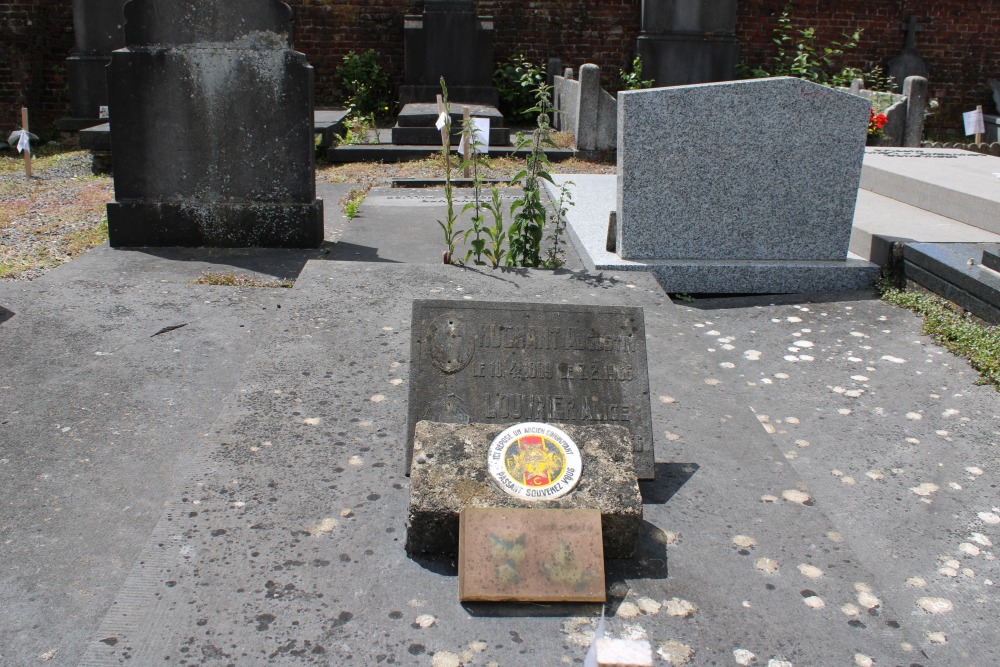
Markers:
point(448, 41)
point(212, 128)
point(908, 63)
point(97, 31)
point(688, 41)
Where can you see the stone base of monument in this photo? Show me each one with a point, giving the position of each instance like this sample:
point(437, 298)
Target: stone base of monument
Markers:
point(449, 474)
point(219, 225)
point(594, 197)
point(967, 274)
point(415, 125)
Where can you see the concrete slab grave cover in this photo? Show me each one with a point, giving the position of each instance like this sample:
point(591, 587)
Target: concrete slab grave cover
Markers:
point(766, 169)
point(213, 130)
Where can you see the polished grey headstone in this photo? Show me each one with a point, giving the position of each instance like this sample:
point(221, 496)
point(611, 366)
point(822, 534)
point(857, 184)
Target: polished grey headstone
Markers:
point(765, 169)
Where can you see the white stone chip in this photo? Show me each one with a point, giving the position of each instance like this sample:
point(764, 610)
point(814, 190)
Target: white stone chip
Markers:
point(623, 652)
point(935, 605)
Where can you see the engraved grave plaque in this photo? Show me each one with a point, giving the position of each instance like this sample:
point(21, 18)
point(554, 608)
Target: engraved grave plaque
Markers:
point(527, 555)
point(503, 363)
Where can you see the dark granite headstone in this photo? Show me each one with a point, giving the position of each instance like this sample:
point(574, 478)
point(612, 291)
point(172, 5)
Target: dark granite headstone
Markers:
point(688, 41)
point(908, 63)
point(213, 128)
point(97, 31)
point(500, 363)
point(448, 41)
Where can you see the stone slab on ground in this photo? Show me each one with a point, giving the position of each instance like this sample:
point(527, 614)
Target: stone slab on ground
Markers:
point(798, 515)
point(593, 197)
point(957, 184)
point(955, 271)
point(323, 564)
point(449, 475)
point(880, 222)
point(991, 258)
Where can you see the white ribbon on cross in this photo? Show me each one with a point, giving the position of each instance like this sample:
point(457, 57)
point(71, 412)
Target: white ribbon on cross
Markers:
point(24, 142)
point(443, 119)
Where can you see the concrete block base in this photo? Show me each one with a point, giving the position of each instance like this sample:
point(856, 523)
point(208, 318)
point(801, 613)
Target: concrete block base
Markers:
point(449, 473)
point(219, 225)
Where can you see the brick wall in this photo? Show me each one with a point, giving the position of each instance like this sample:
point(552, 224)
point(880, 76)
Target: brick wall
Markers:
point(961, 44)
point(35, 38)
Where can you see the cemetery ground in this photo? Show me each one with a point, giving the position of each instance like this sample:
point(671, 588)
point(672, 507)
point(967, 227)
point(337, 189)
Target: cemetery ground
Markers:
point(212, 475)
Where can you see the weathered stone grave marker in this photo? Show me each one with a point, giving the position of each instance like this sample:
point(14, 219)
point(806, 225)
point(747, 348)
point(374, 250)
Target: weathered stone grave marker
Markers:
point(450, 473)
point(212, 128)
point(503, 363)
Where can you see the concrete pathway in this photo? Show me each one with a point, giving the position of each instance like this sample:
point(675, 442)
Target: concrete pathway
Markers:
point(232, 491)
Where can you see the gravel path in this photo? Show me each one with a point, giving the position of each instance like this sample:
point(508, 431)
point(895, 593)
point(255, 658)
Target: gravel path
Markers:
point(51, 218)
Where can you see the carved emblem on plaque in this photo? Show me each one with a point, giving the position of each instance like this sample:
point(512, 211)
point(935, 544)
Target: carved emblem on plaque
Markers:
point(535, 461)
point(448, 409)
point(449, 345)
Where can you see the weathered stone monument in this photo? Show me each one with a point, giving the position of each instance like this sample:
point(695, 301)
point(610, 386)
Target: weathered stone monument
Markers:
point(585, 109)
point(534, 415)
point(448, 40)
point(746, 186)
point(688, 41)
point(213, 128)
point(97, 31)
point(905, 114)
point(908, 63)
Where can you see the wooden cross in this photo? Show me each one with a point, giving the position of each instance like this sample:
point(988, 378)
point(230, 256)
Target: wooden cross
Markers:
point(27, 153)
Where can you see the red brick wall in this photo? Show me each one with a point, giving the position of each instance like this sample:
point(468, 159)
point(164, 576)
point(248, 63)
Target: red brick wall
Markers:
point(35, 38)
point(961, 44)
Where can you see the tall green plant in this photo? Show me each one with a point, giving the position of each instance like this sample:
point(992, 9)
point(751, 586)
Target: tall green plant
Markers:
point(555, 257)
point(524, 238)
point(475, 163)
point(496, 234)
point(451, 234)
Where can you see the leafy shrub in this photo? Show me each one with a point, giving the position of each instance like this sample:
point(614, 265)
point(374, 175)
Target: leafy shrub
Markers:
point(516, 81)
point(800, 56)
point(365, 84)
point(633, 80)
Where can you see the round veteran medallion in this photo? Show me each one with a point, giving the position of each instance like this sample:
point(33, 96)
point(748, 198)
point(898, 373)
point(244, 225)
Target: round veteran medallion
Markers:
point(535, 461)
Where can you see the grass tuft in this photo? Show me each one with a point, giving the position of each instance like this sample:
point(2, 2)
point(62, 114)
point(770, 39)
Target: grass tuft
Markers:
point(959, 332)
point(236, 280)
